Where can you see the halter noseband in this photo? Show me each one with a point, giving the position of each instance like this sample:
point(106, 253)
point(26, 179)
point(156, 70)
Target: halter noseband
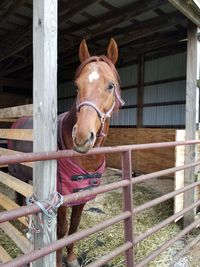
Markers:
point(102, 115)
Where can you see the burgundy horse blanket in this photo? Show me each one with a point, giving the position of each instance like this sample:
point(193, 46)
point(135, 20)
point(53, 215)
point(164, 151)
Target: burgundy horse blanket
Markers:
point(70, 177)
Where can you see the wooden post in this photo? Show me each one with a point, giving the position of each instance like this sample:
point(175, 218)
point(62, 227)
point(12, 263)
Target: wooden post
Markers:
point(192, 115)
point(140, 91)
point(45, 114)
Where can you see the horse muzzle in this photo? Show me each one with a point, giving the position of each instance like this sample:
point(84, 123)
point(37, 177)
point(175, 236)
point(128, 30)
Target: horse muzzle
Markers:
point(83, 143)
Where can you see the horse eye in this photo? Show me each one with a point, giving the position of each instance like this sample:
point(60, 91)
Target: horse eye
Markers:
point(111, 86)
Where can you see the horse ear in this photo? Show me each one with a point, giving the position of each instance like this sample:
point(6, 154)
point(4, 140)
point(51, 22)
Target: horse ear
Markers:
point(112, 51)
point(83, 51)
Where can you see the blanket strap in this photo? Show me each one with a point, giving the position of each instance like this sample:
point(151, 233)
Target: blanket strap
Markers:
point(86, 176)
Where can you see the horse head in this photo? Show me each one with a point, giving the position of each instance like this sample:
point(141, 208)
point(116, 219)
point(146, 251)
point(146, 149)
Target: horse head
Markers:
point(98, 95)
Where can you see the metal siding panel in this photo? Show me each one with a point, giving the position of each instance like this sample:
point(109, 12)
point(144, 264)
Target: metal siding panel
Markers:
point(130, 96)
point(164, 115)
point(165, 67)
point(124, 117)
point(173, 91)
point(128, 75)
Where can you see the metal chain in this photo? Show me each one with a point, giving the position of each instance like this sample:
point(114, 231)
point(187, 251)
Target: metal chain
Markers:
point(36, 225)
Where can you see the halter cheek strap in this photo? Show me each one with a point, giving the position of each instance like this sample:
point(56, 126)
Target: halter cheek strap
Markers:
point(102, 115)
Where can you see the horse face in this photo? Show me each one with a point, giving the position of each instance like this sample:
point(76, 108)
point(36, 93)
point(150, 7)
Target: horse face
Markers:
point(96, 90)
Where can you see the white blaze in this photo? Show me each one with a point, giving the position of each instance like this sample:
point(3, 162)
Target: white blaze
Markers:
point(93, 76)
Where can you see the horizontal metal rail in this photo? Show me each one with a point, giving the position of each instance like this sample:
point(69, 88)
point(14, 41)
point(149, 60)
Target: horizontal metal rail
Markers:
point(39, 156)
point(32, 208)
point(163, 198)
point(145, 177)
point(104, 259)
point(164, 223)
point(167, 244)
point(54, 246)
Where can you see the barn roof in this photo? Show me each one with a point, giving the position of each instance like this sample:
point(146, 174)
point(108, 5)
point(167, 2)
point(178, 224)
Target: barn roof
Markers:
point(138, 26)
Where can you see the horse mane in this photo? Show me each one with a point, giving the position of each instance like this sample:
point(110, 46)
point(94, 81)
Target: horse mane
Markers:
point(110, 64)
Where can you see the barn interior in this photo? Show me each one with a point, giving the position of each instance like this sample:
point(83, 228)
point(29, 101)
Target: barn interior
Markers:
point(152, 41)
point(152, 37)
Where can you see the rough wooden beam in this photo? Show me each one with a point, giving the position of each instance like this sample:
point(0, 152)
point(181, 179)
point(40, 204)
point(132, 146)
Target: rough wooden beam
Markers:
point(8, 204)
point(189, 8)
point(17, 185)
point(19, 239)
point(14, 6)
point(45, 115)
point(77, 6)
point(18, 111)
point(17, 134)
point(136, 32)
point(192, 115)
point(10, 51)
point(4, 256)
point(130, 11)
point(27, 62)
point(142, 29)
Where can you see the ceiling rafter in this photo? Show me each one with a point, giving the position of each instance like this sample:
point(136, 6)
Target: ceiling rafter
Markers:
point(136, 32)
point(128, 12)
point(15, 5)
point(77, 7)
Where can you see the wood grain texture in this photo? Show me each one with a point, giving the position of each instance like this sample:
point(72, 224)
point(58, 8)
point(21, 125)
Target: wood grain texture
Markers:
point(17, 134)
point(19, 239)
point(18, 111)
point(17, 185)
point(191, 116)
point(4, 256)
point(8, 204)
point(45, 114)
point(143, 161)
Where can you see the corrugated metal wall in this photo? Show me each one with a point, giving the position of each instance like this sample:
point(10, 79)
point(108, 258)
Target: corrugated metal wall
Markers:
point(163, 69)
point(160, 95)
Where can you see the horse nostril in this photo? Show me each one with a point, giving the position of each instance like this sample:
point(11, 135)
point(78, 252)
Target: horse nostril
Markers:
point(92, 137)
point(73, 131)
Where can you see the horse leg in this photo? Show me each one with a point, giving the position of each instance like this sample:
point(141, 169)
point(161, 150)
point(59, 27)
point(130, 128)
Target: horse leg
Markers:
point(61, 231)
point(75, 220)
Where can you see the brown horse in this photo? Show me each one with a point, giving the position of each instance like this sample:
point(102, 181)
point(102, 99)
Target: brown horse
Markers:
point(83, 127)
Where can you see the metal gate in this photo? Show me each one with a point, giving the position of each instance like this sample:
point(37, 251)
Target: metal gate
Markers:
point(127, 183)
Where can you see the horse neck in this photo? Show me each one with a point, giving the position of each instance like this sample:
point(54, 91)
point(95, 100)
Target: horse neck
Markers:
point(91, 162)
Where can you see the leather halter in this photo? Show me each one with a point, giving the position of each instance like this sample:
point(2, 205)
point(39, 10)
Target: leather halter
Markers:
point(102, 115)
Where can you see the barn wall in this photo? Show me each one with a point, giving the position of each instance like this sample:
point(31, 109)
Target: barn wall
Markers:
point(143, 161)
point(164, 93)
point(167, 96)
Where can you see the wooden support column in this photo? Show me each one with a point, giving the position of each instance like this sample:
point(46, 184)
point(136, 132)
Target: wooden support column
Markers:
point(140, 91)
point(192, 114)
point(45, 114)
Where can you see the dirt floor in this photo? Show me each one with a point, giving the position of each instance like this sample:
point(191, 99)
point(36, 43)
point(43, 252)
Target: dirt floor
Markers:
point(110, 204)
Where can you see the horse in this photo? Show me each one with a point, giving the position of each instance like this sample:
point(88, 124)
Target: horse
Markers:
point(85, 126)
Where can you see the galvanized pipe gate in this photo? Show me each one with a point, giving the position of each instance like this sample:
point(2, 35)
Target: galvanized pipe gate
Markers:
point(128, 214)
